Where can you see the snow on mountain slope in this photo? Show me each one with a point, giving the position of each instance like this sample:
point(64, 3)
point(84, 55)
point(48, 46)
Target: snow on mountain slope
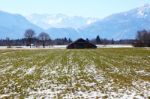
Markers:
point(14, 25)
point(59, 21)
point(120, 26)
point(60, 26)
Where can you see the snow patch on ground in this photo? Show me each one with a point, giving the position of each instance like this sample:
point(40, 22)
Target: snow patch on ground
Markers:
point(30, 70)
point(143, 72)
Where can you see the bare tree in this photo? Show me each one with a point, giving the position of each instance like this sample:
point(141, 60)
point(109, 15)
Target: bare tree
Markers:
point(143, 38)
point(29, 34)
point(44, 37)
point(141, 35)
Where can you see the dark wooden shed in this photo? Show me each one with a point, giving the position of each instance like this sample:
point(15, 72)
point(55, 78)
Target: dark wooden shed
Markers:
point(81, 44)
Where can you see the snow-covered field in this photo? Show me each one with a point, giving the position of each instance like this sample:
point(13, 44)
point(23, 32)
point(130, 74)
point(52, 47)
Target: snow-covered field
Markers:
point(64, 47)
point(120, 73)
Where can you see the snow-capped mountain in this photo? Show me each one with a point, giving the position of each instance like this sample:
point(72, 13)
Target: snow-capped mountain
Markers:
point(120, 26)
point(14, 25)
point(59, 21)
point(117, 26)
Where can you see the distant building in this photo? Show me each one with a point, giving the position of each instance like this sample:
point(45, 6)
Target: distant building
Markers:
point(81, 44)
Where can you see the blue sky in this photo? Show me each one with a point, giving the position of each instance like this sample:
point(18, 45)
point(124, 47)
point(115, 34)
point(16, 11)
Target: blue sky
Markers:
point(86, 8)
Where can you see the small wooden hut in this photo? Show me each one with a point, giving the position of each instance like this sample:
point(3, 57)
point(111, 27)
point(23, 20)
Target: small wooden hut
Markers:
point(81, 44)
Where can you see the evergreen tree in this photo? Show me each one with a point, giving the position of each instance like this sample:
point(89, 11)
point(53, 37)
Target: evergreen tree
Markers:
point(87, 39)
point(98, 40)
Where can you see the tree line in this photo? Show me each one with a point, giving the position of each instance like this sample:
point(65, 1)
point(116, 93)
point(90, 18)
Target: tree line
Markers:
point(142, 39)
point(44, 39)
point(31, 39)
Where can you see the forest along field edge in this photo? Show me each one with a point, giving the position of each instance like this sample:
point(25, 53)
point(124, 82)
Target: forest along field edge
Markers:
point(83, 73)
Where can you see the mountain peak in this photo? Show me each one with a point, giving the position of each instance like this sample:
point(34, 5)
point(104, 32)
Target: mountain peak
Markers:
point(145, 7)
point(144, 10)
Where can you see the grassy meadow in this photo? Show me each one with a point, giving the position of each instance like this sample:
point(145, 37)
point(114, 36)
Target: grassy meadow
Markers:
point(75, 74)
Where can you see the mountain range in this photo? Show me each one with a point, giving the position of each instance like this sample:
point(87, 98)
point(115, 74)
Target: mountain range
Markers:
point(60, 21)
point(122, 25)
point(14, 25)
